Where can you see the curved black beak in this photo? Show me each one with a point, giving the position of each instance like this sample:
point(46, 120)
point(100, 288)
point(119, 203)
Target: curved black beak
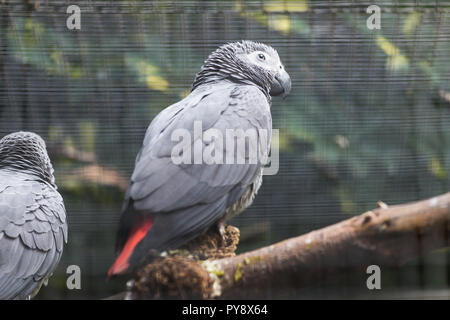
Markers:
point(281, 84)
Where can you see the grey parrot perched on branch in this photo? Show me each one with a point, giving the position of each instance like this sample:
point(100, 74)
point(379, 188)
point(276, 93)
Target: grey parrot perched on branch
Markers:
point(33, 227)
point(169, 203)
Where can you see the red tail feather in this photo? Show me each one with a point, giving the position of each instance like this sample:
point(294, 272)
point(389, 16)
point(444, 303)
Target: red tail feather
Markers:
point(137, 234)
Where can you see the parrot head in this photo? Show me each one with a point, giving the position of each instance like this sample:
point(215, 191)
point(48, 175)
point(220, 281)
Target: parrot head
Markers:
point(246, 62)
point(26, 151)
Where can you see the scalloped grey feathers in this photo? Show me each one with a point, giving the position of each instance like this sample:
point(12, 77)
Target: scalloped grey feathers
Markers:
point(188, 199)
point(33, 226)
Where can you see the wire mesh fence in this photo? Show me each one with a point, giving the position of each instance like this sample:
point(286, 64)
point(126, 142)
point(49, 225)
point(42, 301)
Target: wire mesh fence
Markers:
point(367, 120)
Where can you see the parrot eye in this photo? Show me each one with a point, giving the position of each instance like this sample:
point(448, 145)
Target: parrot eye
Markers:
point(261, 56)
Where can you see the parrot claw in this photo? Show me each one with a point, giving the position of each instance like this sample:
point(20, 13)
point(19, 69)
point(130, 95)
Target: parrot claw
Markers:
point(221, 226)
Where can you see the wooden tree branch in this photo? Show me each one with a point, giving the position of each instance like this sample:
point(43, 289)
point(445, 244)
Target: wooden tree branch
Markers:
point(386, 236)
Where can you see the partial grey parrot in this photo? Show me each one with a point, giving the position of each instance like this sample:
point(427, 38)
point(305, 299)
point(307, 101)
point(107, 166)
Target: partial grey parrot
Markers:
point(33, 227)
point(169, 203)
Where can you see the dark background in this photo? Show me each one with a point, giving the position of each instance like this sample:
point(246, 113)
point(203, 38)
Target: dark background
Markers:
point(367, 120)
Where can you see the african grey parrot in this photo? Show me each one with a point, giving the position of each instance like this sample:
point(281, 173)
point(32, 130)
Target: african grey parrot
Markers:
point(169, 203)
point(33, 225)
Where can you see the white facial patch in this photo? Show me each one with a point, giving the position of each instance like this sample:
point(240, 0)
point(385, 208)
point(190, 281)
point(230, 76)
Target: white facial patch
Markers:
point(264, 60)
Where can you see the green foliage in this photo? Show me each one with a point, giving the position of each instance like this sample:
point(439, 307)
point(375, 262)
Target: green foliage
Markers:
point(366, 120)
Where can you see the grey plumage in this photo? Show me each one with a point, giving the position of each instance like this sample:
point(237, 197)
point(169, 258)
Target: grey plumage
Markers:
point(33, 227)
point(232, 91)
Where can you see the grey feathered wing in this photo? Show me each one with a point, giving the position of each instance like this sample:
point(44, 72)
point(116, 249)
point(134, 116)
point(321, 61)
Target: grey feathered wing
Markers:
point(33, 230)
point(189, 198)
